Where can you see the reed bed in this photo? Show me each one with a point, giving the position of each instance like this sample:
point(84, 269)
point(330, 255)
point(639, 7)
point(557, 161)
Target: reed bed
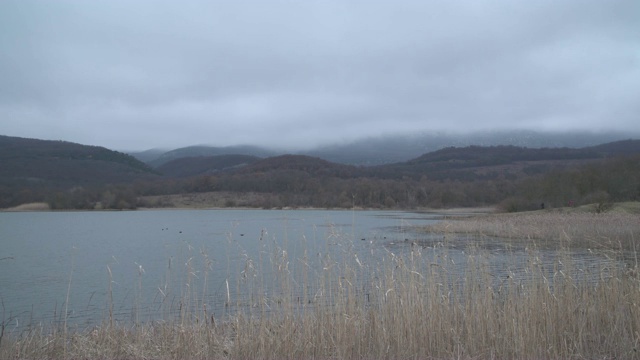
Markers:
point(413, 305)
point(613, 230)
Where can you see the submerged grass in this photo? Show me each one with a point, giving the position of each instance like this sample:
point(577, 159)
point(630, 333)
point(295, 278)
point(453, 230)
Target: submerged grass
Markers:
point(417, 305)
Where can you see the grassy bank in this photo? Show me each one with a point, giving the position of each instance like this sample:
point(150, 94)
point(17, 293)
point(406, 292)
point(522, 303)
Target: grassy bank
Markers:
point(583, 227)
point(414, 305)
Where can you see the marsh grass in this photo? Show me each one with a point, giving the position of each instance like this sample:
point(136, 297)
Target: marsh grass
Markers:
point(414, 305)
point(615, 230)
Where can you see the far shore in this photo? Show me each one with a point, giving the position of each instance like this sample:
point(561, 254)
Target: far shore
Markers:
point(229, 201)
point(40, 206)
point(207, 202)
point(44, 207)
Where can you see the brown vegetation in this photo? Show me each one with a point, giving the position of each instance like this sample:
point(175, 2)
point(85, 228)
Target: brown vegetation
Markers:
point(417, 306)
point(584, 227)
point(72, 176)
point(30, 207)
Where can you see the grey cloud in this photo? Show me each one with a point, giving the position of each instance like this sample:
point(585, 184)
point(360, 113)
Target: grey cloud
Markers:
point(287, 73)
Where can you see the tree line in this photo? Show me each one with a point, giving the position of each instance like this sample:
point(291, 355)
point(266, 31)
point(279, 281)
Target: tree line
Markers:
point(604, 181)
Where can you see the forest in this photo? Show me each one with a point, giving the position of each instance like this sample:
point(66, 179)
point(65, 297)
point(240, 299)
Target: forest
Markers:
point(605, 181)
point(72, 176)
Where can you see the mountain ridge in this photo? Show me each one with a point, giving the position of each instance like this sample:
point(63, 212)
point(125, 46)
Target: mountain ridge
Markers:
point(14, 151)
point(204, 165)
point(33, 169)
point(70, 175)
point(398, 148)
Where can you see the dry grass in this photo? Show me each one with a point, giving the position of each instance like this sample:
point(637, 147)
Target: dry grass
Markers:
point(30, 207)
point(414, 306)
point(611, 230)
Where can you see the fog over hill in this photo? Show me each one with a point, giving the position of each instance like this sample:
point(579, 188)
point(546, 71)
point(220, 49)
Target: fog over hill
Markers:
point(74, 176)
point(135, 75)
point(398, 148)
point(385, 150)
point(162, 158)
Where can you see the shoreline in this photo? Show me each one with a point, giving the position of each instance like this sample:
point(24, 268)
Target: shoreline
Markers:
point(44, 207)
point(444, 212)
point(28, 207)
point(631, 207)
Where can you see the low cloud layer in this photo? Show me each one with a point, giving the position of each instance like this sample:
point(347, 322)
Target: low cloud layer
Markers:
point(142, 74)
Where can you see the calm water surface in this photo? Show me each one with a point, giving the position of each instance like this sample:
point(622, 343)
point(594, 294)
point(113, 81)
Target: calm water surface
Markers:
point(144, 264)
point(141, 261)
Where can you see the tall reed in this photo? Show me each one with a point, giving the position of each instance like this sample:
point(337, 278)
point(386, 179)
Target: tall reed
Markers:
point(412, 302)
point(578, 229)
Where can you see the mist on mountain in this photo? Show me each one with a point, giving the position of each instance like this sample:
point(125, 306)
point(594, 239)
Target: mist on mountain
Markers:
point(389, 149)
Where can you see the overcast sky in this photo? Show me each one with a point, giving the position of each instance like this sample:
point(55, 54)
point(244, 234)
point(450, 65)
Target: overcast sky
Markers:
point(133, 75)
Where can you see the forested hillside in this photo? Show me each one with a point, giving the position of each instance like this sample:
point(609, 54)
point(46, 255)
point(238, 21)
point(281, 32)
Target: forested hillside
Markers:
point(204, 165)
point(389, 149)
point(473, 176)
point(35, 170)
point(208, 151)
point(74, 176)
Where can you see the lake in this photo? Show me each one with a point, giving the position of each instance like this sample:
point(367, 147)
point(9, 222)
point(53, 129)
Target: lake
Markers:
point(82, 268)
point(138, 263)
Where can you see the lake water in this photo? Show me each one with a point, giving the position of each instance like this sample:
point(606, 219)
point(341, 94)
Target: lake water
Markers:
point(139, 263)
point(138, 266)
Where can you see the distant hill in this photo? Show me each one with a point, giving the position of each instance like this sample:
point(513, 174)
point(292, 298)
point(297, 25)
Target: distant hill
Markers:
point(204, 165)
point(488, 155)
point(454, 176)
point(148, 155)
point(288, 174)
point(31, 161)
point(396, 148)
point(472, 156)
point(616, 148)
point(309, 165)
point(451, 163)
point(203, 150)
point(400, 148)
point(62, 164)
point(478, 162)
point(73, 176)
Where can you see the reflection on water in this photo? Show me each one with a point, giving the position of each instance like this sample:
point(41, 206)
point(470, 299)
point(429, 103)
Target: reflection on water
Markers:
point(87, 267)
